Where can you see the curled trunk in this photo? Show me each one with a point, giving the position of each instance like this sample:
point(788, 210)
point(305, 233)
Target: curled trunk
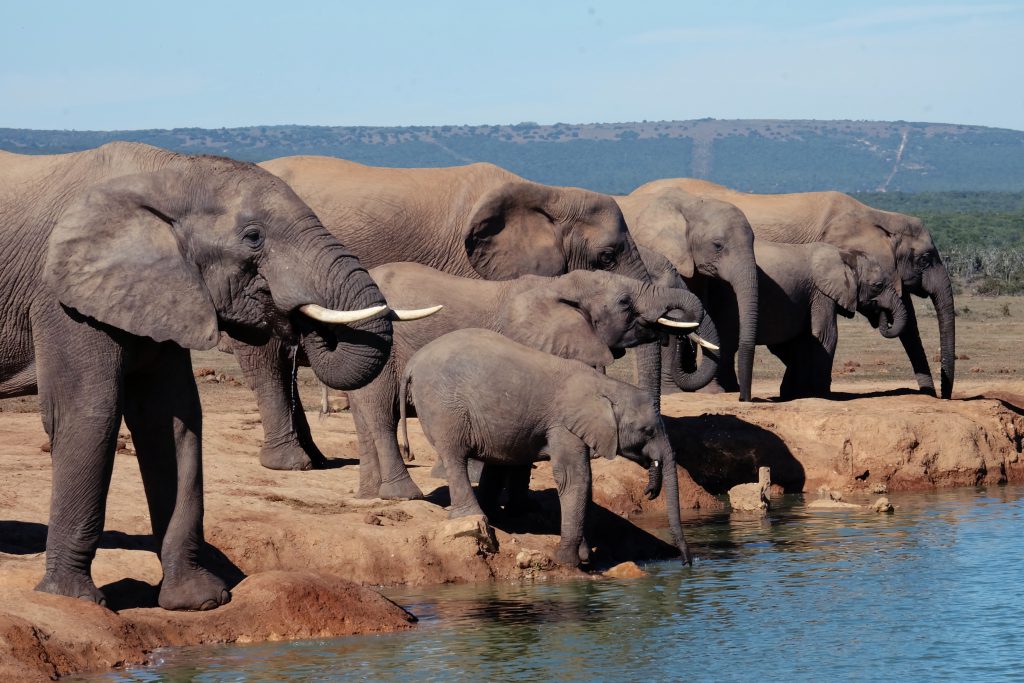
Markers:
point(680, 358)
point(894, 316)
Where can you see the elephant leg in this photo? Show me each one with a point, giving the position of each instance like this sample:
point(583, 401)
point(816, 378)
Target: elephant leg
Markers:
point(163, 413)
point(456, 456)
point(825, 338)
point(287, 444)
point(785, 352)
point(517, 482)
point(493, 479)
point(81, 410)
point(910, 337)
point(369, 465)
point(570, 466)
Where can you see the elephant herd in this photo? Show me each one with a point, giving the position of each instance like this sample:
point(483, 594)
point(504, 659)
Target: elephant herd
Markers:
point(487, 303)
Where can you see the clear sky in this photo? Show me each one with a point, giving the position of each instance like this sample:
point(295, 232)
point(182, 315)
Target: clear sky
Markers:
point(126, 65)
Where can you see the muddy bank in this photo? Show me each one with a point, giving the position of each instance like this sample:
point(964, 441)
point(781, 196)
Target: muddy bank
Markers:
point(277, 527)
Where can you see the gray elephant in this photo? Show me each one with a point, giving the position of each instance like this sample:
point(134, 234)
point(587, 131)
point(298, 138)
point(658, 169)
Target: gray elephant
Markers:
point(802, 287)
point(481, 395)
point(709, 243)
point(899, 243)
point(476, 221)
point(587, 316)
point(119, 260)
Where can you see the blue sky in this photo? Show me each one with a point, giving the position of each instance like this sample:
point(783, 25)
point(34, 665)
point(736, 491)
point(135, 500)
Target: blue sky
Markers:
point(127, 65)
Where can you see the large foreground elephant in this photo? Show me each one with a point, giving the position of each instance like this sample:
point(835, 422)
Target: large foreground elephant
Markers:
point(710, 244)
point(476, 221)
point(898, 242)
point(116, 262)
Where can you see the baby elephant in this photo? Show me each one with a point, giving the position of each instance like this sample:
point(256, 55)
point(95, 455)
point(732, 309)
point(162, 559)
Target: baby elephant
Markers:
point(481, 395)
point(590, 316)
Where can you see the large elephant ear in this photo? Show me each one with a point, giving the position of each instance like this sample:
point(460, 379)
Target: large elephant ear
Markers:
point(592, 419)
point(116, 255)
point(835, 276)
point(511, 233)
point(551, 320)
point(662, 227)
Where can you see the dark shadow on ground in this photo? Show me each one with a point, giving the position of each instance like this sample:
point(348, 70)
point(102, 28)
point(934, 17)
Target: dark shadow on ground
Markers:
point(721, 451)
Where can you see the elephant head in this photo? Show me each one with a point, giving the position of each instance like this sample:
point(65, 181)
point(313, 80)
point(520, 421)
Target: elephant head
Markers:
point(594, 316)
point(523, 228)
point(876, 295)
point(703, 237)
point(195, 245)
point(921, 272)
point(615, 419)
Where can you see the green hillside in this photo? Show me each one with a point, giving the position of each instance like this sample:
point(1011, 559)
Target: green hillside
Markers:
point(753, 155)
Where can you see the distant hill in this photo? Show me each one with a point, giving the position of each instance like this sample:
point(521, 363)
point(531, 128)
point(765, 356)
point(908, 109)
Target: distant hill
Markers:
point(753, 155)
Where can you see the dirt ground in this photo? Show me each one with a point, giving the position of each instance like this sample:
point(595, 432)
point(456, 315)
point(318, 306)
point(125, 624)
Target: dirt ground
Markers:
point(293, 533)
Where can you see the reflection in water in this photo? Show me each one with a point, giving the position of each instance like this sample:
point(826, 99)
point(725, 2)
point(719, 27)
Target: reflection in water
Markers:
point(934, 592)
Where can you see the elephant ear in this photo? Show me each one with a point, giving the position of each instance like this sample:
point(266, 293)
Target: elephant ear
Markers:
point(592, 419)
point(553, 320)
point(116, 255)
point(511, 233)
point(835, 276)
point(662, 227)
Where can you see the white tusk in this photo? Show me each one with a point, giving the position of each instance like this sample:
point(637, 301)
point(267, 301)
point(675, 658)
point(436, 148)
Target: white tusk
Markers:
point(703, 342)
point(656, 463)
point(413, 313)
point(674, 323)
point(327, 315)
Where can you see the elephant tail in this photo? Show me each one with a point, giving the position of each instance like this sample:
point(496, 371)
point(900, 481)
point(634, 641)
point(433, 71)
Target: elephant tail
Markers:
point(403, 397)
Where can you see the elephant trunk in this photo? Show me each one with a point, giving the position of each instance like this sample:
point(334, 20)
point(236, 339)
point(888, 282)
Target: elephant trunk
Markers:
point(744, 284)
point(670, 477)
point(680, 357)
point(894, 318)
point(342, 355)
point(936, 283)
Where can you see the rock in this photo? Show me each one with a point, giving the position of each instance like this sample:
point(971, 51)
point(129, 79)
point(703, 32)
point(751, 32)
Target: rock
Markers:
point(533, 559)
point(828, 504)
point(879, 488)
point(371, 518)
point(45, 446)
point(752, 497)
point(625, 570)
point(396, 515)
point(883, 506)
point(474, 527)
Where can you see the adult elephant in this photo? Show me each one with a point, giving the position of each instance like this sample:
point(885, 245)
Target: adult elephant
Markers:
point(897, 241)
point(476, 221)
point(710, 244)
point(116, 262)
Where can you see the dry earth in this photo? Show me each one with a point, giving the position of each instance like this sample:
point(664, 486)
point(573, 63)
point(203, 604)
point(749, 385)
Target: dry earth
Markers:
point(293, 533)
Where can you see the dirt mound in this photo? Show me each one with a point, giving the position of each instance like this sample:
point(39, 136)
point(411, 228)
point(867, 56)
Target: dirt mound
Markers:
point(45, 636)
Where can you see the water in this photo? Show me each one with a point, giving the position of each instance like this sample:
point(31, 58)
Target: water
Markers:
point(932, 593)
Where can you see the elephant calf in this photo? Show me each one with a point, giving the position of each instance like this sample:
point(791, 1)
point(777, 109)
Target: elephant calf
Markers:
point(481, 395)
point(801, 289)
point(590, 316)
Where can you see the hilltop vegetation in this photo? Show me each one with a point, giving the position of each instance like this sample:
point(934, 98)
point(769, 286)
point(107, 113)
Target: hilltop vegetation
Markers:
point(752, 155)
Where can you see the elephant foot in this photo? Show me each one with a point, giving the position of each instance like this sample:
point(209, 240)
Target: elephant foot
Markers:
point(584, 551)
point(400, 489)
point(72, 585)
point(712, 387)
point(288, 456)
point(568, 556)
point(194, 590)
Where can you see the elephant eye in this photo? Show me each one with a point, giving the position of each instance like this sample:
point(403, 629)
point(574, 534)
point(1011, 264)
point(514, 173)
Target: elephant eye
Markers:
point(718, 245)
point(253, 237)
point(606, 259)
point(876, 287)
point(625, 302)
point(924, 259)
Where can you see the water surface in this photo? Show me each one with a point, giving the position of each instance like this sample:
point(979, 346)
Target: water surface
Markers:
point(934, 592)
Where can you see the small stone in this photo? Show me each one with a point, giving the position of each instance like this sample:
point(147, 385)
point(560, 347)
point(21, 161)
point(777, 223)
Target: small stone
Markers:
point(371, 519)
point(45, 447)
point(883, 506)
point(835, 495)
point(752, 497)
point(626, 570)
point(879, 488)
point(475, 527)
point(533, 559)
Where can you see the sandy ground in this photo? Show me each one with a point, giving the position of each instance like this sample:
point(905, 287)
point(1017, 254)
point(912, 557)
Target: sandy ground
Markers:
point(293, 533)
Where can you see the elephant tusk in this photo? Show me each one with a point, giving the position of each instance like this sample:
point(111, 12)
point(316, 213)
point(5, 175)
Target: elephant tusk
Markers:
point(656, 464)
point(413, 313)
point(675, 323)
point(703, 342)
point(327, 315)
